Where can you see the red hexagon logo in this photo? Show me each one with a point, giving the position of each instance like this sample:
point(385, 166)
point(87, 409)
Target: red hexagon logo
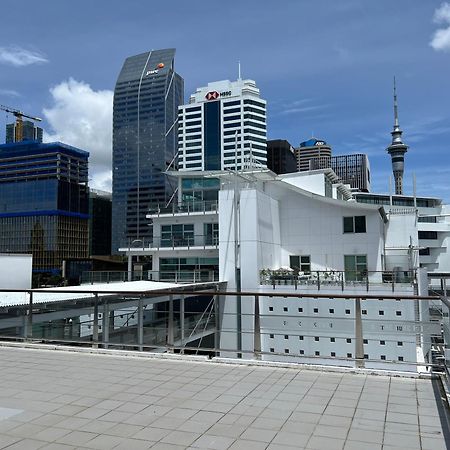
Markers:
point(213, 95)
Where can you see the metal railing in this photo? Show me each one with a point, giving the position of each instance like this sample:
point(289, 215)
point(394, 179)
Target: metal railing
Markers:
point(201, 206)
point(173, 241)
point(332, 279)
point(180, 276)
point(334, 330)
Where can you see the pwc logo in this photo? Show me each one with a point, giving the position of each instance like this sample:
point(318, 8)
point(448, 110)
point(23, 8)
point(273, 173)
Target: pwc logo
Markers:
point(213, 95)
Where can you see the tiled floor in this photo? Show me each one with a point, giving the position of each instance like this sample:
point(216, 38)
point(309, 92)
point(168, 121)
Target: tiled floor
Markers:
point(64, 400)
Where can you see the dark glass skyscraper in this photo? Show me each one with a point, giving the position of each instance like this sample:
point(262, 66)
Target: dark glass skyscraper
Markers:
point(146, 99)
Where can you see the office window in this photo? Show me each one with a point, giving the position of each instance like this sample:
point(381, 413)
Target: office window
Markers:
point(400, 343)
point(316, 310)
point(332, 339)
point(355, 224)
point(400, 358)
point(355, 267)
point(347, 311)
point(285, 309)
point(333, 354)
point(398, 313)
point(286, 350)
point(349, 355)
point(300, 310)
point(382, 342)
point(270, 308)
point(317, 338)
point(383, 357)
point(317, 353)
point(302, 352)
point(271, 336)
point(349, 341)
point(272, 350)
point(300, 263)
point(331, 311)
point(428, 235)
point(300, 338)
point(286, 336)
point(365, 341)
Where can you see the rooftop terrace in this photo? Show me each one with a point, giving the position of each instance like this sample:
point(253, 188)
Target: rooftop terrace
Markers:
point(66, 400)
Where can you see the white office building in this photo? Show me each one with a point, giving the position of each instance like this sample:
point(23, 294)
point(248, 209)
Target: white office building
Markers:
point(223, 127)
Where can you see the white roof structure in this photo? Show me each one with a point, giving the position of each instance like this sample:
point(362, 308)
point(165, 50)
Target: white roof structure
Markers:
point(62, 294)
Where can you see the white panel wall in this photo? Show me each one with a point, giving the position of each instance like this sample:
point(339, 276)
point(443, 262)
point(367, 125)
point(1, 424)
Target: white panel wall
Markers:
point(15, 271)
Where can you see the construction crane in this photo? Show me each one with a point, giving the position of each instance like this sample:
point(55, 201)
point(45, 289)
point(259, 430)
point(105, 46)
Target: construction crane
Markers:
point(19, 115)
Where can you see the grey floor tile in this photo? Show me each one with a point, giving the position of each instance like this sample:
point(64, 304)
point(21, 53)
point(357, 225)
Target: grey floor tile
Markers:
point(212, 442)
point(321, 442)
point(242, 444)
point(180, 438)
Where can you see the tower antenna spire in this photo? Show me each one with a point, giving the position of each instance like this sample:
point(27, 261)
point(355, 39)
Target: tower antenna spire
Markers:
point(395, 105)
point(239, 70)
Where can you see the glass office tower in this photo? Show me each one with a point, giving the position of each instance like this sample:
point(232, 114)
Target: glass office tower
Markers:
point(146, 99)
point(44, 202)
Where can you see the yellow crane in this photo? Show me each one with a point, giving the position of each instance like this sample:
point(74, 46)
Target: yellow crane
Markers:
point(19, 115)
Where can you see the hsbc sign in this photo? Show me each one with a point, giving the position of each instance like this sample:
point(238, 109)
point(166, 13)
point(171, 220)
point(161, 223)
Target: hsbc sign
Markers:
point(214, 95)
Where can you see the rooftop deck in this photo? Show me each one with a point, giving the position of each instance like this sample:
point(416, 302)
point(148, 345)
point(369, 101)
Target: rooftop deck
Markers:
point(66, 400)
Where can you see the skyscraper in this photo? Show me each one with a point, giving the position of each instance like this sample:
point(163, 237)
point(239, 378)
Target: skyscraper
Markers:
point(44, 202)
point(280, 156)
point(397, 150)
point(146, 99)
point(312, 148)
point(352, 169)
point(223, 127)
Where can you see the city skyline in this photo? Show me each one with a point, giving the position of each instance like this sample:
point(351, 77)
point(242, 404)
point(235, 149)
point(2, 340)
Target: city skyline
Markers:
point(316, 76)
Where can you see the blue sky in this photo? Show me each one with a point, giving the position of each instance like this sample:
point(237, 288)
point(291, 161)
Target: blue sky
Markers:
point(324, 66)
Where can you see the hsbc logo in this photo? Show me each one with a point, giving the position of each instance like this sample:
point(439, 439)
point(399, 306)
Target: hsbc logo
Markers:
point(213, 95)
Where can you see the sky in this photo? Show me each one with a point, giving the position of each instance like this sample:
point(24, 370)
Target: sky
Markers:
point(325, 67)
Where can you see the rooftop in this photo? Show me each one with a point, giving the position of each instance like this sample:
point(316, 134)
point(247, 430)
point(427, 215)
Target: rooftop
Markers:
point(65, 400)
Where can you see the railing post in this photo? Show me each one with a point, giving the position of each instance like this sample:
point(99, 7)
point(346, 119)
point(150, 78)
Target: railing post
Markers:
point(217, 325)
point(342, 281)
point(367, 282)
point(182, 322)
point(318, 281)
point(359, 342)
point(393, 281)
point(257, 330)
point(140, 327)
point(29, 331)
point(105, 324)
point(95, 325)
point(170, 331)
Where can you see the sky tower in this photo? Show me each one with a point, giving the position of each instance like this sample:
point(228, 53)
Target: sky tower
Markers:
point(397, 150)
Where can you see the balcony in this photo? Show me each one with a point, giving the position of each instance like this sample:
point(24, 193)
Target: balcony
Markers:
point(340, 280)
point(185, 208)
point(173, 242)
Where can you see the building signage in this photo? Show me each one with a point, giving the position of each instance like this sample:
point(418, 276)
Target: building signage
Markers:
point(151, 72)
point(214, 95)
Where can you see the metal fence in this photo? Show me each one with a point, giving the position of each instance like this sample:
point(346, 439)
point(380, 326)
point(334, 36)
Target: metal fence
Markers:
point(372, 331)
point(332, 279)
point(201, 206)
point(179, 276)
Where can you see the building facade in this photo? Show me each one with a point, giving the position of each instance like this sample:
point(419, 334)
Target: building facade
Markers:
point(307, 150)
point(280, 157)
point(146, 99)
point(99, 222)
point(44, 202)
point(353, 170)
point(223, 127)
point(30, 132)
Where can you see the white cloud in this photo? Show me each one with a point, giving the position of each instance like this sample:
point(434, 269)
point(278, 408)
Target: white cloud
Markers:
point(17, 56)
point(82, 117)
point(9, 93)
point(441, 37)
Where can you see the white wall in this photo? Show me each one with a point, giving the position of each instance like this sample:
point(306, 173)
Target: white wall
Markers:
point(15, 271)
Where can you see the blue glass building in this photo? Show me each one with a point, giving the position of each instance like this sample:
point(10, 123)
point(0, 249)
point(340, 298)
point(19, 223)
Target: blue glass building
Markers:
point(146, 99)
point(44, 202)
